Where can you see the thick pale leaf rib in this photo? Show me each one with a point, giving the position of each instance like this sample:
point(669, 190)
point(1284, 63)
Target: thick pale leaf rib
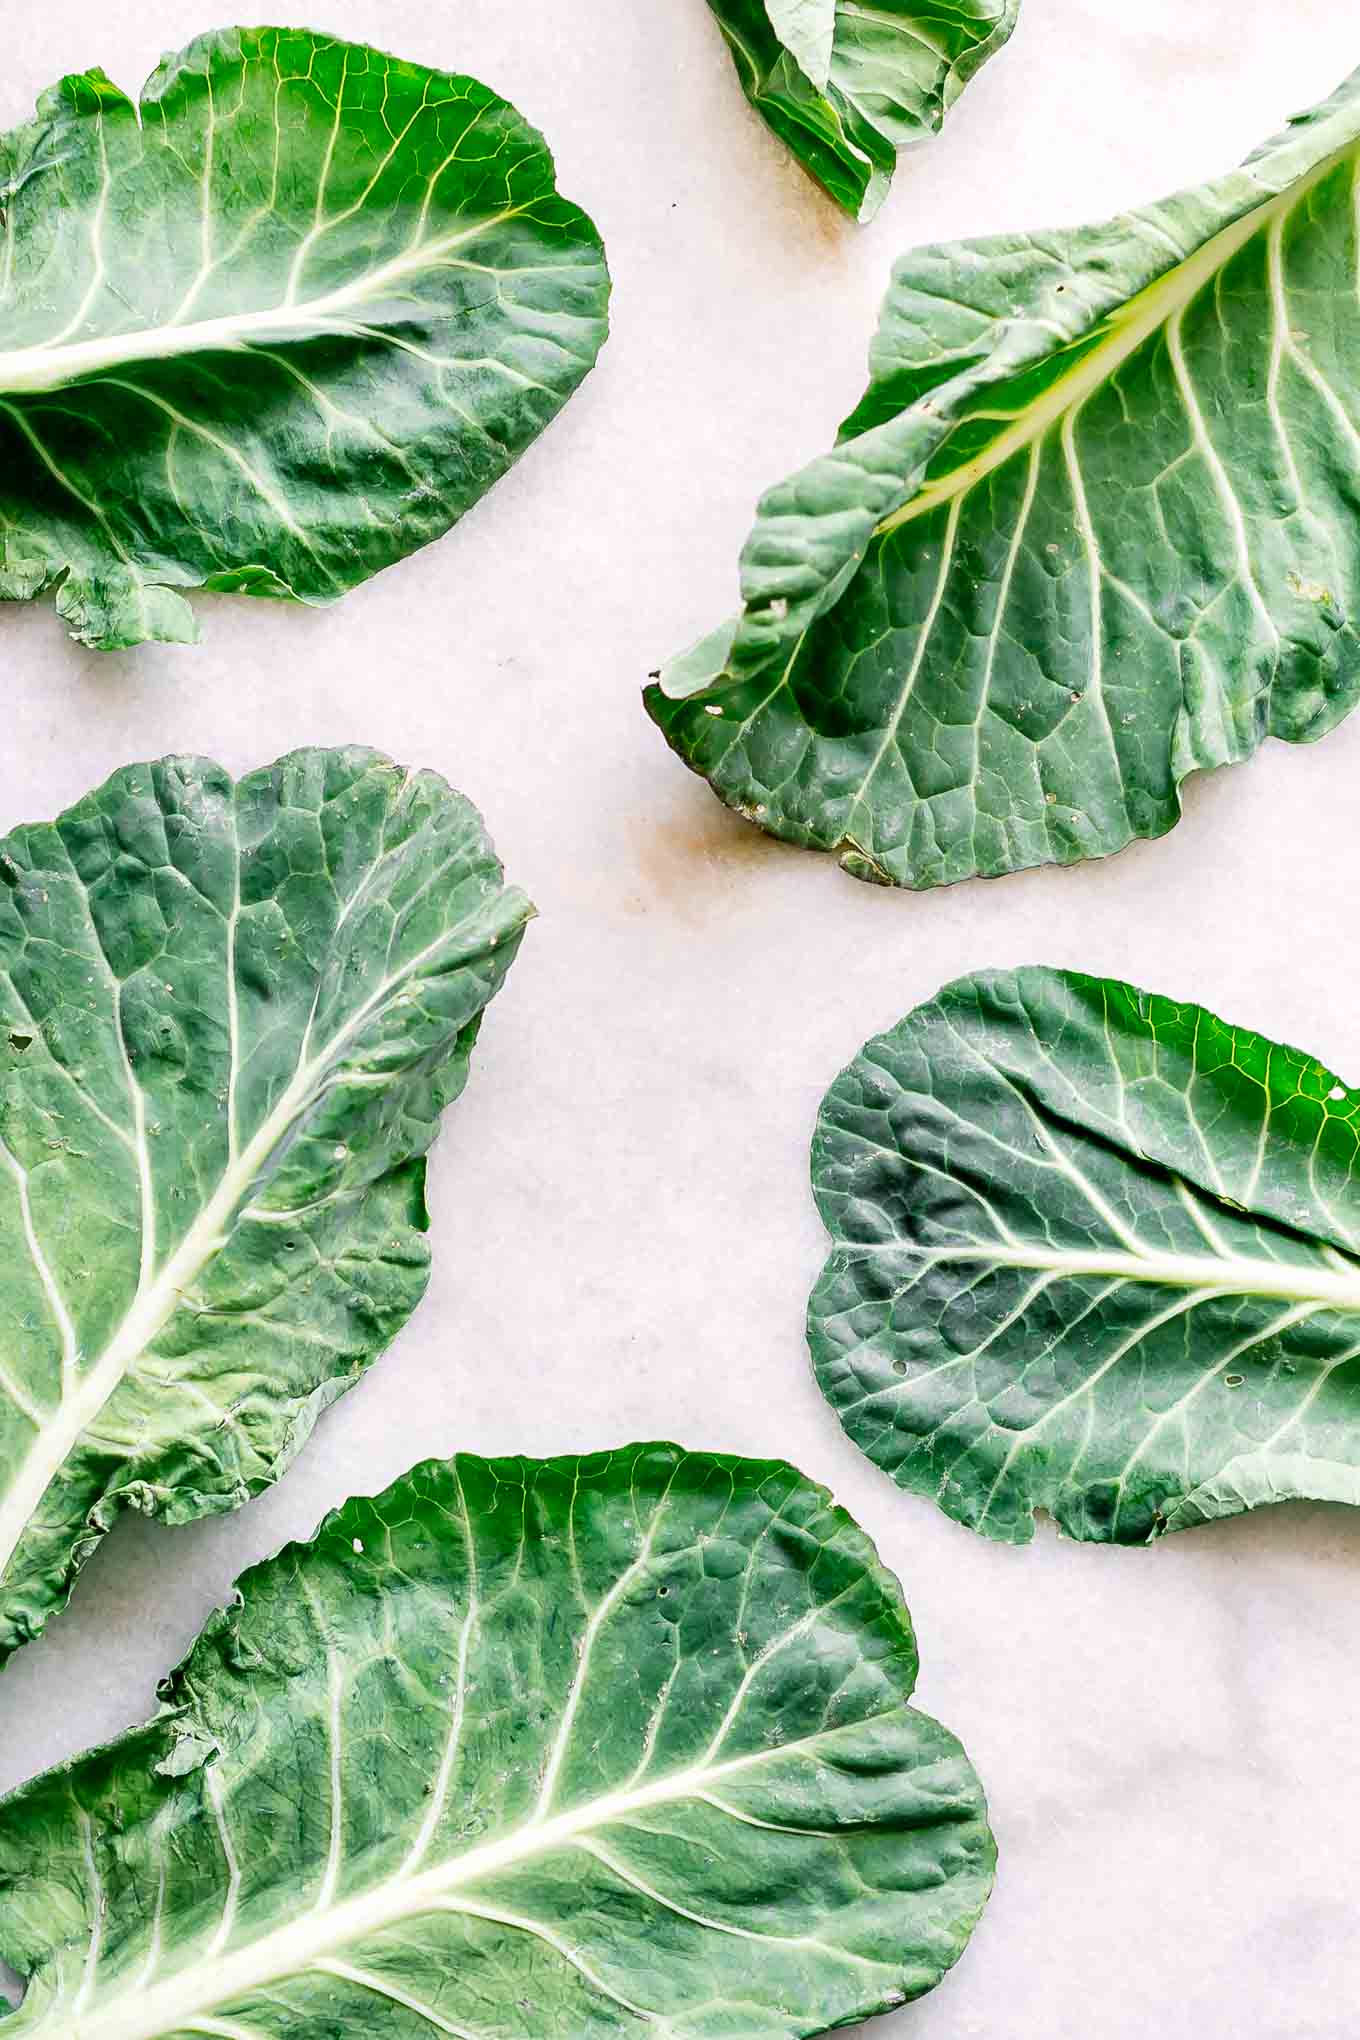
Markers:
point(566, 1747)
point(807, 29)
point(273, 329)
point(1094, 1252)
point(847, 85)
point(230, 1016)
point(1089, 530)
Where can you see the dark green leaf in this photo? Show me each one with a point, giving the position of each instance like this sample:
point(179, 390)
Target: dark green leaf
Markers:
point(1091, 529)
point(1095, 1252)
point(847, 85)
point(230, 1017)
point(569, 1748)
point(273, 329)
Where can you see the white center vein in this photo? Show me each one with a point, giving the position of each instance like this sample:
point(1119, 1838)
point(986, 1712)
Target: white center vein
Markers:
point(230, 1975)
point(159, 1296)
point(1232, 1275)
point(51, 365)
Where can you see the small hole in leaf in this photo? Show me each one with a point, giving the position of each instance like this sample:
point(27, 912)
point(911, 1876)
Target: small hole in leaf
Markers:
point(19, 1042)
point(662, 1592)
point(1233, 1380)
point(899, 1366)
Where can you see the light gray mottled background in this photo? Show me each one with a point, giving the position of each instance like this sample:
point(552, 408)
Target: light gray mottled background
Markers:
point(623, 1233)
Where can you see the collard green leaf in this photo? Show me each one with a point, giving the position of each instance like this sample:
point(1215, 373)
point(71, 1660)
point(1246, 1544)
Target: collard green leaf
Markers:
point(1091, 529)
point(847, 85)
point(272, 329)
point(1095, 1252)
point(230, 1017)
point(569, 1748)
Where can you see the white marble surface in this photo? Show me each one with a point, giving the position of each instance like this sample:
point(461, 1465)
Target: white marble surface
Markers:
point(623, 1234)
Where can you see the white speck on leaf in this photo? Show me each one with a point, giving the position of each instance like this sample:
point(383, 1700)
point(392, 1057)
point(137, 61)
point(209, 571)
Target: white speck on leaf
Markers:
point(1310, 591)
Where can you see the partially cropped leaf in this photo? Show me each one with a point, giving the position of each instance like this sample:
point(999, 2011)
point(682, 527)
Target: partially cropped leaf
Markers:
point(847, 85)
point(1092, 528)
point(567, 1748)
point(272, 329)
point(231, 1014)
point(1095, 1252)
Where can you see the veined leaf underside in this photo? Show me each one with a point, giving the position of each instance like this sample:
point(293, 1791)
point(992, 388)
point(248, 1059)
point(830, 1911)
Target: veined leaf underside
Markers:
point(1090, 530)
point(847, 85)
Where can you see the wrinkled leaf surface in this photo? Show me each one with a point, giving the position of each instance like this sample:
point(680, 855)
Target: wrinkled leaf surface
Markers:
point(847, 85)
point(230, 1016)
point(563, 1749)
point(1091, 529)
point(272, 329)
point(1095, 1252)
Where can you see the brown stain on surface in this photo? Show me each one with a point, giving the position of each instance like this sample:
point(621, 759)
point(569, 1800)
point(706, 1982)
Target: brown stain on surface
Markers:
point(700, 860)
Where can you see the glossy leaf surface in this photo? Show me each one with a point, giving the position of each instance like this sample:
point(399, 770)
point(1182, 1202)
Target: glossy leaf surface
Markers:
point(565, 1748)
point(1091, 529)
point(272, 329)
point(848, 85)
point(1095, 1252)
point(230, 1017)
